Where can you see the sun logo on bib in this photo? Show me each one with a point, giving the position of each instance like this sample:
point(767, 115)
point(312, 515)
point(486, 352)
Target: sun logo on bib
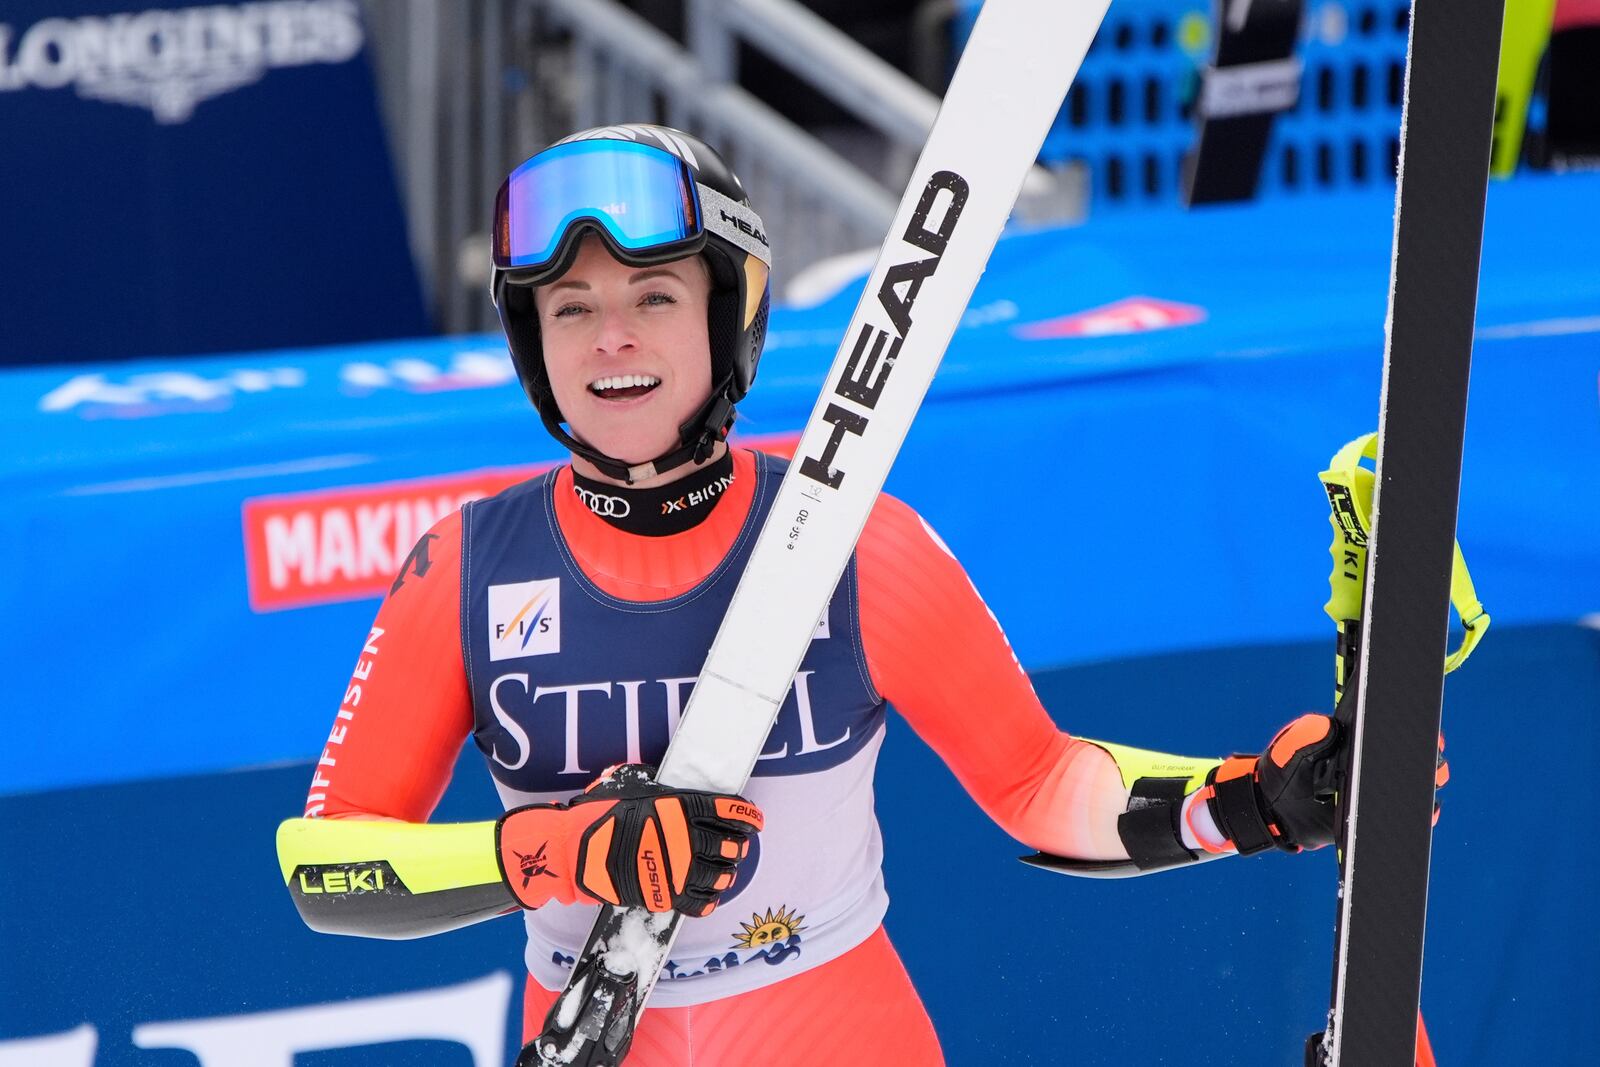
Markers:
point(773, 928)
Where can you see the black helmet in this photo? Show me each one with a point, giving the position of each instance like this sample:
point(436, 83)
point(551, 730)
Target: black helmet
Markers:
point(652, 194)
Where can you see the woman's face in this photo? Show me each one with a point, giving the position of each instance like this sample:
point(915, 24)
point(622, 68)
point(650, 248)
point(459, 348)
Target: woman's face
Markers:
point(626, 350)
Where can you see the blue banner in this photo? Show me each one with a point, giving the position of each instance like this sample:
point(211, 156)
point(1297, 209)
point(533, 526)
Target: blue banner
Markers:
point(194, 179)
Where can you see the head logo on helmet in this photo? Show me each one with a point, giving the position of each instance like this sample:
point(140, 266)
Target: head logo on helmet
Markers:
point(651, 194)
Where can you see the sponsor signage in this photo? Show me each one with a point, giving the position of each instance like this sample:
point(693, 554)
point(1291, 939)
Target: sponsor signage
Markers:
point(348, 543)
point(525, 619)
point(862, 380)
point(186, 178)
point(177, 389)
point(471, 1015)
point(168, 61)
point(1136, 314)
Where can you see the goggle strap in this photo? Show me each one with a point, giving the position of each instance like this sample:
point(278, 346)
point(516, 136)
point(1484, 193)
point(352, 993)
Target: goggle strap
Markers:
point(734, 223)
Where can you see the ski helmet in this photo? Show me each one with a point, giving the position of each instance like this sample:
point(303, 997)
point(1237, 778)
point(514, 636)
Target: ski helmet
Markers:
point(651, 194)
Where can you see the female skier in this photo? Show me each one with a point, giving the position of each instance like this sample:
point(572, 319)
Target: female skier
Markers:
point(561, 624)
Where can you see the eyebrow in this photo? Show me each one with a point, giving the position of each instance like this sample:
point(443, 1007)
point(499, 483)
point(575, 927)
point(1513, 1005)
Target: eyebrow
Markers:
point(633, 279)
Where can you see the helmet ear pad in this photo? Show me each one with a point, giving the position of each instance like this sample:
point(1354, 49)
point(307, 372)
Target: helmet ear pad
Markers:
point(735, 351)
point(722, 316)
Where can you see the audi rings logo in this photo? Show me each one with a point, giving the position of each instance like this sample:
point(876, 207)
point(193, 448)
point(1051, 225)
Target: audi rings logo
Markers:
point(602, 504)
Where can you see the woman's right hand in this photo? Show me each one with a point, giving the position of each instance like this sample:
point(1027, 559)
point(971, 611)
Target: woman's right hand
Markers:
point(630, 841)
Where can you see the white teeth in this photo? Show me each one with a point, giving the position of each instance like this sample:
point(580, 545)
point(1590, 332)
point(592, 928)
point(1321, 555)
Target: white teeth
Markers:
point(623, 381)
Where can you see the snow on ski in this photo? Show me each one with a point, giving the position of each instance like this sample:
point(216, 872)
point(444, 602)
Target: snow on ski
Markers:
point(1444, 165)
point(1013, 74)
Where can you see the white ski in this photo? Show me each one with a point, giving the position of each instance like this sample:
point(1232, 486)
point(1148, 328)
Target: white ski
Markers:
point(1013, 75)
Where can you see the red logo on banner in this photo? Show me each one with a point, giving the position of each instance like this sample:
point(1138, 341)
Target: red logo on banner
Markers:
point(1136, 314)
point(347, 544)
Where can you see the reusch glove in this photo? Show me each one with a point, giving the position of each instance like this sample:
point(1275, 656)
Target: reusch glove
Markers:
point(627, 840)
point(1284, 796)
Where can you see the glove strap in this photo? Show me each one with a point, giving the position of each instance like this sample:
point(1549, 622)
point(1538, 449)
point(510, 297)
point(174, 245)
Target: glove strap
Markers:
point(1232, 800)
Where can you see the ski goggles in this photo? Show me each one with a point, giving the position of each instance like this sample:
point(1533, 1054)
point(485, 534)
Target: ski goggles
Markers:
point(643, 201)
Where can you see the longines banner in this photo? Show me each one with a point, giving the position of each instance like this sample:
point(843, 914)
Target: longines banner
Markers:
point(184, 179)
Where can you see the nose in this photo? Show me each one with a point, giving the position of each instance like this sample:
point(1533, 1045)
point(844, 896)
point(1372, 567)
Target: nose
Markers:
point(615, 333)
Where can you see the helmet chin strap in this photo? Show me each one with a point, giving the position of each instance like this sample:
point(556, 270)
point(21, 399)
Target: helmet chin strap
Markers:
point(697, 439)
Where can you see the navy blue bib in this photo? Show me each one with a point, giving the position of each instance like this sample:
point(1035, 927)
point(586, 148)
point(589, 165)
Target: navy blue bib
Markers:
point(567, 680)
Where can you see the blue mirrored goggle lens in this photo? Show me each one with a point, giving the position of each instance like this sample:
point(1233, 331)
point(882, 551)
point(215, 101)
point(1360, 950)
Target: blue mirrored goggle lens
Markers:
point(642, 195)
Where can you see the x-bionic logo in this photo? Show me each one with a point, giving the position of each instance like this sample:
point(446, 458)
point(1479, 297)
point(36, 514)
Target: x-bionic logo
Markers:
point(534, 864)
point(603, 504)
point(698, 497)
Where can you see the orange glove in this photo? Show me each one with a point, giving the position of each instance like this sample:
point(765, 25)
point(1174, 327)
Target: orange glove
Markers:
point(1285, 796)
point(627, 840)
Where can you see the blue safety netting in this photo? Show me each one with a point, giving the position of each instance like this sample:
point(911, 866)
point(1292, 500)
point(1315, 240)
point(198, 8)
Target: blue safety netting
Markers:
point(1129, 117)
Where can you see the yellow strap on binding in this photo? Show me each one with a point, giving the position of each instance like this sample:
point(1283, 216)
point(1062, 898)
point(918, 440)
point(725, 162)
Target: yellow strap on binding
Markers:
point(1350, 487)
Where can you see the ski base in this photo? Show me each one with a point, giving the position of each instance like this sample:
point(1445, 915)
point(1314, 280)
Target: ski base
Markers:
point(591, 1023)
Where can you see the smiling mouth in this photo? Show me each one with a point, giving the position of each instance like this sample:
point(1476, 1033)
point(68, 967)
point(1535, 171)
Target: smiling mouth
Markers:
point(623, 386)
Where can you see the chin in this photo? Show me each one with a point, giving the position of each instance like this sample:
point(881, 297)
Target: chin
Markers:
point(631, 447)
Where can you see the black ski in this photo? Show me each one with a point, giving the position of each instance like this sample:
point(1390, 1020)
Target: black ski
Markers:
point(1387, 812)
point(1253, 76)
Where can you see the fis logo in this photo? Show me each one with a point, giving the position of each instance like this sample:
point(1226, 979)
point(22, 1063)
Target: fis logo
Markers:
point(525, 619)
